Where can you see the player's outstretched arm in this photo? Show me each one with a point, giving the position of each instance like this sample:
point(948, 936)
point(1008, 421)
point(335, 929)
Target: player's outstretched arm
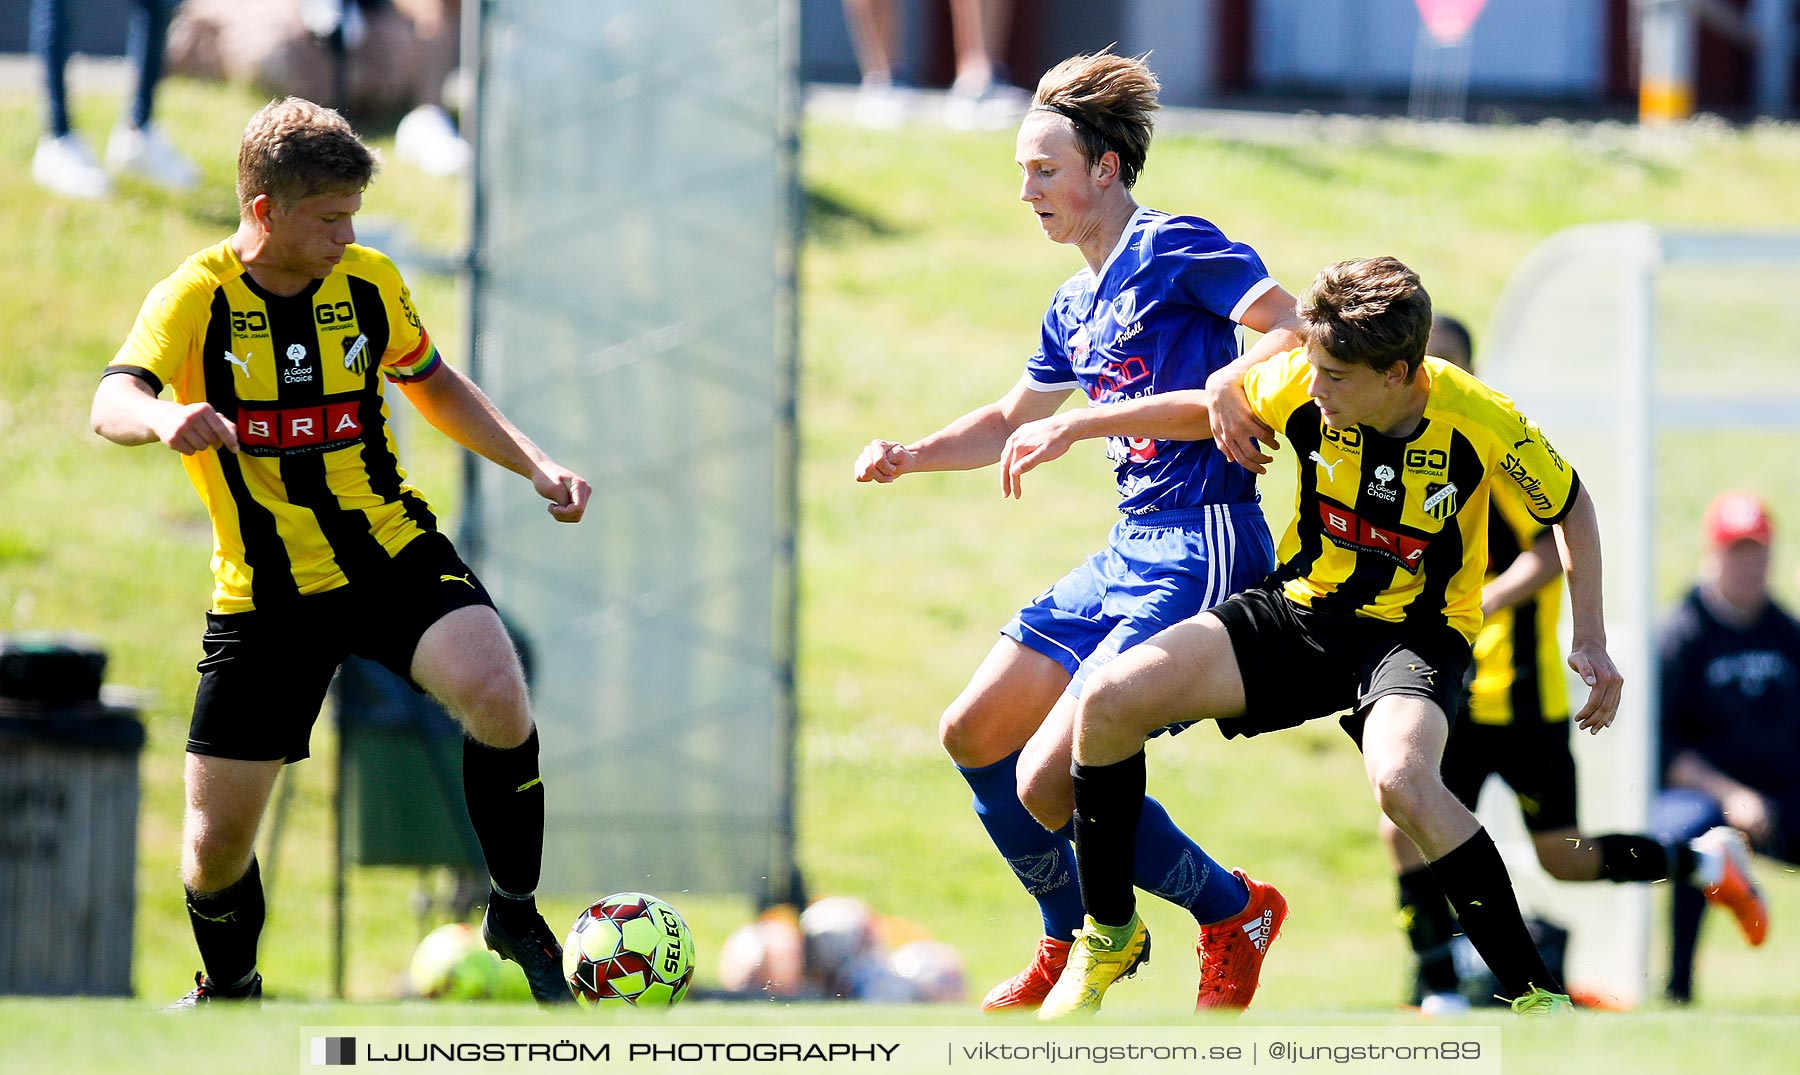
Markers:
point(458, 409)
point(972, 441)
point(1579, 536)
point(1235, 427)
point(1169, 416)
point(126, 412)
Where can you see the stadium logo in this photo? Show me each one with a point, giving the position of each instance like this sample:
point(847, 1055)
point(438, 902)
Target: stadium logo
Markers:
point(1379, 488)
point(356, 358)
point(1528, 483)
point(333, 1052)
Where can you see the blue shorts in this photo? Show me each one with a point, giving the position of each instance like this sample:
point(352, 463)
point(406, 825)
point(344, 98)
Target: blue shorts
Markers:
point(1153, 574)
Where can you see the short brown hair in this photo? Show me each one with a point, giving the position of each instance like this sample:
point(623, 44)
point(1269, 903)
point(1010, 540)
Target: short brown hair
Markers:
point(294, 149)
point(1372, 312)
point(1108, 99)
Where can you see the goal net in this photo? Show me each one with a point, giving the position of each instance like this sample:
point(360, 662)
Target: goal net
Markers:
point(633, 309)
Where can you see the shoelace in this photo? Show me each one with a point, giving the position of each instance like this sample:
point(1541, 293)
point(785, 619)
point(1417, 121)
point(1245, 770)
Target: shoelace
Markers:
point(1215, 966)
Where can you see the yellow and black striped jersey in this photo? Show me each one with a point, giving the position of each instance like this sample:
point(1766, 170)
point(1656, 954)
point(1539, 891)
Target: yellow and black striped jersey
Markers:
point(316, 497)
point(1395, 528)
point(1518, 660)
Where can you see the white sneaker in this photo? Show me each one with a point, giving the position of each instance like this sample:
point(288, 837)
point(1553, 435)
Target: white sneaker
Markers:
point(427, 139)
point(1438, 1004)
point(988, 106)
point(67, 166)
point(882, 106)
point(143, 152)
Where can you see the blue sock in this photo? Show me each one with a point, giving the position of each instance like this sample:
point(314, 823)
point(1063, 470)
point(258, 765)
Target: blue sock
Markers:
point(1172, 866)
point(1043, 861)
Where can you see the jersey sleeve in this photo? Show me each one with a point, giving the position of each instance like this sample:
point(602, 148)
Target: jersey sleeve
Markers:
point(1547, 484)
point(165, 336)
point(410, 355)
point(1209, 270)
point(1049, 369)
point(1276, 388)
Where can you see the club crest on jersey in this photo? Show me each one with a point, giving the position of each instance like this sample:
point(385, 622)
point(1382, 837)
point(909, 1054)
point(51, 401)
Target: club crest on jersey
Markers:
point(1440, 499)
point(356, 354)
point(1125, 307)
point(1125, 315)
point(299, 373)
point(1382, 488)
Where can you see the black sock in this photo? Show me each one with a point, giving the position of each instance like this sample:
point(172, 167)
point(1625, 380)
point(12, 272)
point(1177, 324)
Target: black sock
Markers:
point(1475, 879)
point(515, 912)
point(1425, 915)
point(226, 925)
point(1108, 800)
point(1636, 858)
point(506, 806)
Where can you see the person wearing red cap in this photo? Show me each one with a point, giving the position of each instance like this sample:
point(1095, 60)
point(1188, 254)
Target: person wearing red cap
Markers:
point(1730, 668)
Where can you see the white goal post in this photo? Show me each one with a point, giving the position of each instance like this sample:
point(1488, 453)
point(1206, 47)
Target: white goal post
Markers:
point(1660, 363)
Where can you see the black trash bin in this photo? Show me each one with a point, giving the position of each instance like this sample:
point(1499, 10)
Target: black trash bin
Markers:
point(401, 774)
point(68, 822)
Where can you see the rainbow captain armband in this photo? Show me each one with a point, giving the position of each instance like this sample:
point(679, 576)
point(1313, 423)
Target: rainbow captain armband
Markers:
point(418, 364)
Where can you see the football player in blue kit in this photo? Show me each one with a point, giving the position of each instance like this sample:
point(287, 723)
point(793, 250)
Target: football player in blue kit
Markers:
point(1152, 312)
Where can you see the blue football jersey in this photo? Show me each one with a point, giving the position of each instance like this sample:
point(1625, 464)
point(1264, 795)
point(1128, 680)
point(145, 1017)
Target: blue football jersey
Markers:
point(1160, 316)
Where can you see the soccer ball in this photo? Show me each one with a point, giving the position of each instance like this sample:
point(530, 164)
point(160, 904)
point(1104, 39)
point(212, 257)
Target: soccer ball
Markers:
point(452, 962)
point(629, 948)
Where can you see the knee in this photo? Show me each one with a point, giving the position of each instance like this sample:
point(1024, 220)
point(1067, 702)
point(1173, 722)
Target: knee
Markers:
point(1105, 706)
point(966, 737)
point(491, 705)
point(1047, 796)
point(217, 856)
point(1405, 794)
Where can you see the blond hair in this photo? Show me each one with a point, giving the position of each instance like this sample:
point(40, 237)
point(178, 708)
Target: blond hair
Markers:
point(1371, 312)
point(1108, 100)
point(295, 149)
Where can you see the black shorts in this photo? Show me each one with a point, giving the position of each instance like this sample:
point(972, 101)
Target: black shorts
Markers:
point(1534, 759)
point(265, 672)
point(1298, 664)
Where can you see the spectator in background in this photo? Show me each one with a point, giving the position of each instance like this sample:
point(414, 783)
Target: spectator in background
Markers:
point(1730, 713)
point(396, 57)
point(980, 96)
point(63, 162)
